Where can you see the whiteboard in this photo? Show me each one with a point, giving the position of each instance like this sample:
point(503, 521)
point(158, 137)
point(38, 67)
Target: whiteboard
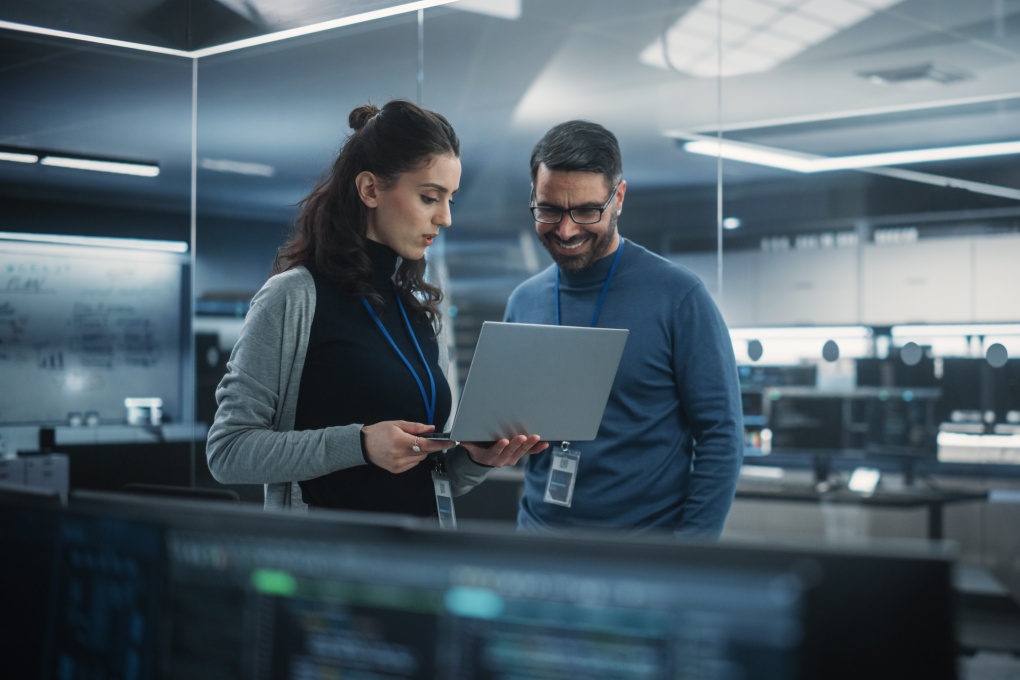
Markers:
point(82, 328)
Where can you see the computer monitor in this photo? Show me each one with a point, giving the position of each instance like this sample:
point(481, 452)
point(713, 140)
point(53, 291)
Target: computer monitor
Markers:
point(225, 590)
point(963, 387)
point(894, 372)
point(897, 424)
point(81, 593)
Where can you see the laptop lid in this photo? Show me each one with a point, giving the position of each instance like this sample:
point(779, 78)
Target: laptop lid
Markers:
point(553, 381)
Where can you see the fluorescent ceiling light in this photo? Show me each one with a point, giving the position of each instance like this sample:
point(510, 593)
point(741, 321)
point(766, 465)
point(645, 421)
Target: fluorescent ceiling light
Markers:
point(809, 163)
point(319, 27)
point(99, 241)
point(53, 33)
point(752, 153)
point(237, 167)
point(752, 36)
point(17, 157)
point(504, 9)
point(118, 167)
point(236, 45)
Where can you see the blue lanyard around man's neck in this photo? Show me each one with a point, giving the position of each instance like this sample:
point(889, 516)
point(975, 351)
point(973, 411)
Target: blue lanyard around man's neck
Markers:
point(602, 295)
point(430, 404)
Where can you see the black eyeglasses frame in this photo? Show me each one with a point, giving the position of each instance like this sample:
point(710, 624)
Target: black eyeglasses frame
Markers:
point(570, 211)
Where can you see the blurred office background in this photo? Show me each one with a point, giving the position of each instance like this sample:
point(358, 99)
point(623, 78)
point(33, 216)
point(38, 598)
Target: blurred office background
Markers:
point(842, 174)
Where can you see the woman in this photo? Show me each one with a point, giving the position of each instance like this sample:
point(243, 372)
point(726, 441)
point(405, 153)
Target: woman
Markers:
point(339, 366)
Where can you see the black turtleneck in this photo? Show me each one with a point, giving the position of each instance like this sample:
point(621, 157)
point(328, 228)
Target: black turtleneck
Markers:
point(353, 375)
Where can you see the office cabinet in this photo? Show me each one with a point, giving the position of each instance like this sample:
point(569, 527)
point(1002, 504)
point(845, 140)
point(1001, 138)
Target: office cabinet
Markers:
point(927, 281)
point(802, 287)
point(997, 278)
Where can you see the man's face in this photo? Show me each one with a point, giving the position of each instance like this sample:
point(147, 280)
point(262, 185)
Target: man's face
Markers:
point(576, 246)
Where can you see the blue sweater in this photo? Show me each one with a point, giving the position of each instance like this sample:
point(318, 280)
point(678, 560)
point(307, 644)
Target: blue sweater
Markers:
point(670, 445)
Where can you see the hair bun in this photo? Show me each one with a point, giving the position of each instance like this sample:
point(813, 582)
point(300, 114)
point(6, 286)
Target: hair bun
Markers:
point(361, 115)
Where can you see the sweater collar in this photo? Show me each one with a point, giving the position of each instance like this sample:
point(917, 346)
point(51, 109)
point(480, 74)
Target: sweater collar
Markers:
point(384, 263)
point(596, 273)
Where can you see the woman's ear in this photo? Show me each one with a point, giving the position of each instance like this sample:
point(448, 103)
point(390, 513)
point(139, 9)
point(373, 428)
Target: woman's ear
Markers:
point(368, 188)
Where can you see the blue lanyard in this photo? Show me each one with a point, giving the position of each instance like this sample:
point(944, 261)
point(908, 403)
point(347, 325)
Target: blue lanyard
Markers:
point(602, 295)
point(430, 405)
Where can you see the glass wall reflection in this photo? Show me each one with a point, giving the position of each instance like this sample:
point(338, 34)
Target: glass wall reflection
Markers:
point(95, 252)
point(271, 119)
point(837, 265)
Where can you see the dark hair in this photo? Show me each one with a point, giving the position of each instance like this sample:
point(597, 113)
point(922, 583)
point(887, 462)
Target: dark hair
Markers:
point(579, 145)
point(329, 232)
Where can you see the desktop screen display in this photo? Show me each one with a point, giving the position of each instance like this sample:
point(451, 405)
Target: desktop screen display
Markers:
point(143, 588)
point(435, 606)
point(81, 594)
point(865, 421)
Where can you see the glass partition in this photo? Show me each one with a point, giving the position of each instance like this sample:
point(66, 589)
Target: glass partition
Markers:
point(95, 254)
point(762, 145)
point(869, 174)
point(271, 119)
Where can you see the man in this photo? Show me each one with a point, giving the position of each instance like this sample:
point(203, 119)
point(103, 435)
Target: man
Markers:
point(670, 445)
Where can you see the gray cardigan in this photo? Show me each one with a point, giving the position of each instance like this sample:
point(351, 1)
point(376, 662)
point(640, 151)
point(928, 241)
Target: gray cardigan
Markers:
point(252, 439)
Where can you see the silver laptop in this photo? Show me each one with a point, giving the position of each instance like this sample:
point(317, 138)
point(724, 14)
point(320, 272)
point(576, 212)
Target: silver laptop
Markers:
point(553, 381)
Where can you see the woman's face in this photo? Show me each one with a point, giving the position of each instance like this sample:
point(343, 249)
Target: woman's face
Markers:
point(408, 215)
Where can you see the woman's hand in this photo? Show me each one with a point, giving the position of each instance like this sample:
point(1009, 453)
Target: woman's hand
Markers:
point(505, 452)
point(391, 444)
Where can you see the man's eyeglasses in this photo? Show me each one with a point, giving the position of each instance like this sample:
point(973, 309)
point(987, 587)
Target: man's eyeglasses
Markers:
point(550, 215)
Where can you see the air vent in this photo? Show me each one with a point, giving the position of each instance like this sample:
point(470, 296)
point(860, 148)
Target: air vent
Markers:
point(919, 75)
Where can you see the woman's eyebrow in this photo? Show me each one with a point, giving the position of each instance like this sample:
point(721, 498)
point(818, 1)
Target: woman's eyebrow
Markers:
point(433, 185)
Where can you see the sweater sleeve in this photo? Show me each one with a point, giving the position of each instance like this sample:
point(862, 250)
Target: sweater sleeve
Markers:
point(706, 376)
point(464, 473)
point(251, 440)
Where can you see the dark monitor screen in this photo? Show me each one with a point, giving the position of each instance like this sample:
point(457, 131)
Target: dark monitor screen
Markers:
point(901, 425)
point(963, 388)
point(437, 605)
point(893, 372)
point(972, 384)
point(200, 590)
point(81, 594)
point(1009, 389)
point(809, 421)
point(879, 421)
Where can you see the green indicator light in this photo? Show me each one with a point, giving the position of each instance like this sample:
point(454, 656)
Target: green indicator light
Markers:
point(477, 603)
point(272, 582)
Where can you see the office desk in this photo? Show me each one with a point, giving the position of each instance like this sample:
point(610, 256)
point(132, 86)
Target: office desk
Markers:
point(934, 500)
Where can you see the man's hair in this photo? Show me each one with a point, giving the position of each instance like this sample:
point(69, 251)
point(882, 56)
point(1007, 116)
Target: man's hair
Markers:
point(579, 146)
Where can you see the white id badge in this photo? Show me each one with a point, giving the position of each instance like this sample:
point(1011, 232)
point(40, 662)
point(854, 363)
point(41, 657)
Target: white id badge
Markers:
point(444, 500)
point(559, 490)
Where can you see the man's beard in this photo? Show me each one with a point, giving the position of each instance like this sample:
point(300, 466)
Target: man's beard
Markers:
point(573, 263)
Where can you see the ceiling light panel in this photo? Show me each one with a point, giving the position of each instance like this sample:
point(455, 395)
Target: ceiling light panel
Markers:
point(839, 12)
point(17, 157)
point(751, 12)
point(809, 163)
point(754, 35)
point(772, 45)
point(136, 169)
point(803, 28)
point(503, 9)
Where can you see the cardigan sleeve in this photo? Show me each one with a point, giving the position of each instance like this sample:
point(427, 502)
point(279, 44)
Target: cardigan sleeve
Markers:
point(252, 440)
